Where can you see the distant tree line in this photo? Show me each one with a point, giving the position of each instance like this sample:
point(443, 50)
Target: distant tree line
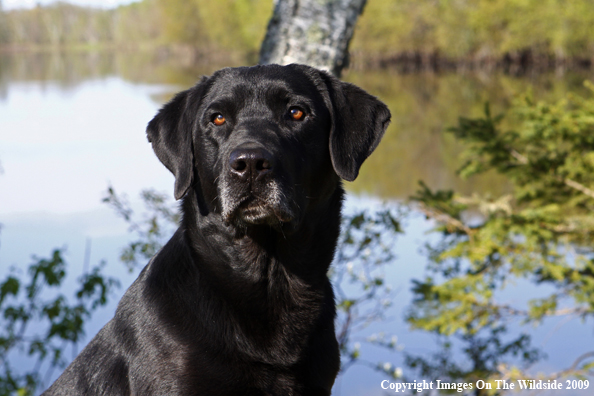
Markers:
point(413, 33)
point(209, 27)
point(478, 33)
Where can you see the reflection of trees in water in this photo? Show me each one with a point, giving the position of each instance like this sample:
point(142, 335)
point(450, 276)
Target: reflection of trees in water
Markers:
point(423, 106)
point(66, 70)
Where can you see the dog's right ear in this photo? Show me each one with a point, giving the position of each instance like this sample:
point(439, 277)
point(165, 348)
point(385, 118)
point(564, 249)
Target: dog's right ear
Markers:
point(170, 133)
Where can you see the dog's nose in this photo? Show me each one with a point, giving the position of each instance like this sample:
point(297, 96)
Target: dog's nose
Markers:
point(251, 162)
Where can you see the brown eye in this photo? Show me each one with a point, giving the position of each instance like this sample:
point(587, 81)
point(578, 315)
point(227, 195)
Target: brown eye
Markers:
point(218, 119)
point(296, 113)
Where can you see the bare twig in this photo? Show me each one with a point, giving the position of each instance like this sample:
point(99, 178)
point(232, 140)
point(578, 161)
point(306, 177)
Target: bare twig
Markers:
point(521, 158)
point(580, 187)
point(560, 312)
point(574, 367)
point(444, 218)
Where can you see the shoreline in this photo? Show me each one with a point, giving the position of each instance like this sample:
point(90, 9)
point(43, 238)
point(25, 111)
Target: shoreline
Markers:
point(516, 63)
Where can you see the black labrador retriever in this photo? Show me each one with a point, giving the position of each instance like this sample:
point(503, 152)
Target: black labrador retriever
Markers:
point(238, 302)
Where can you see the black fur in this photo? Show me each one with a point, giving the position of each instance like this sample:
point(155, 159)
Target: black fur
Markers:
point(238, 301)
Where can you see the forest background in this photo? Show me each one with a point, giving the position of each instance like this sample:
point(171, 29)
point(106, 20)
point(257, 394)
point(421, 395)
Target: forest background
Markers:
point(421, 34)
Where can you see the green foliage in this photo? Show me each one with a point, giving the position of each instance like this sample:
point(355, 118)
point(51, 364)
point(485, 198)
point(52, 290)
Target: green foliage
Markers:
point(136, 23)
point(476, 28)
point(181, 21)
point(59, 24)
point(39, 322)
point(212, 27)
point(540, 233)
point(415, 147)
point(225, 24)
point(455, 29)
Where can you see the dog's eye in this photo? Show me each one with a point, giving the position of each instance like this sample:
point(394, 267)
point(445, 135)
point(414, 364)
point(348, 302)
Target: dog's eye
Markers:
point(218, 119)
point(296, 113)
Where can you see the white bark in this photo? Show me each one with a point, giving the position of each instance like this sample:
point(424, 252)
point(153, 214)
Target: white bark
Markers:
point(312, 32)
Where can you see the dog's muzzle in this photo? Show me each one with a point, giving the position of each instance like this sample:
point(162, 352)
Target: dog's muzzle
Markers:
point(251, 194)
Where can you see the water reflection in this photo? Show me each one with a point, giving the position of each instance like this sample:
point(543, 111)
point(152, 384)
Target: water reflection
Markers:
point(71, 68)
point(423, 107)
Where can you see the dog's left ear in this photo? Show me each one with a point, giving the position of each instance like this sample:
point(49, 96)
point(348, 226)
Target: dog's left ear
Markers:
point(170, 133)
point(359, 121)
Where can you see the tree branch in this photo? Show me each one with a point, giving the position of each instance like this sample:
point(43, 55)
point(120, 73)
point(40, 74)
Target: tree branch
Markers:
point(568, 182)
point(560, 312)
point(574, 367)
point(580, 187)
point(444, 218)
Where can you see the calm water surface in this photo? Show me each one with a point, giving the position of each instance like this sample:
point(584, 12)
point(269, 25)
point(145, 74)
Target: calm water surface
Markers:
point(70, 125)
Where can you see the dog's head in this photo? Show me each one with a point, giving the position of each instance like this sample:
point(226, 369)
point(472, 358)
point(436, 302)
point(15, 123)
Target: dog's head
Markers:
point(265, 143)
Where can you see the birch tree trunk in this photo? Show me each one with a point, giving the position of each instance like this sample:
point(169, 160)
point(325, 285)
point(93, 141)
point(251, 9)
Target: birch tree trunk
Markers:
point(313, 32)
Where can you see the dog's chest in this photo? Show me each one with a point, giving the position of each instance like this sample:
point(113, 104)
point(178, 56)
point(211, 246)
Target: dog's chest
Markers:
point(276, 315)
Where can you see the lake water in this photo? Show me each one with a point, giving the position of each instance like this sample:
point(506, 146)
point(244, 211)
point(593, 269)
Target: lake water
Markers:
point(70, 125)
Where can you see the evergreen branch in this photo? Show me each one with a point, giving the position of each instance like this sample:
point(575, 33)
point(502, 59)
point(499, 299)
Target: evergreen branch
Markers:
point(568, 182)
